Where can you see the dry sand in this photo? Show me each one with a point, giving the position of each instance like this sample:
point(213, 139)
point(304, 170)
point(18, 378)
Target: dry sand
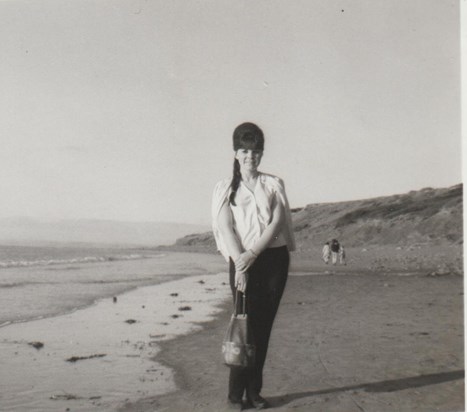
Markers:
point(345, 341)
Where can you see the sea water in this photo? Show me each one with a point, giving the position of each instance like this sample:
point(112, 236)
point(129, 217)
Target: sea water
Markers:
point(37, 282)
point(45, 281)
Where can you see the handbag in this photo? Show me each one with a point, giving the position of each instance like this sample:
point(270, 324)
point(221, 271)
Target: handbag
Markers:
point(238, 348)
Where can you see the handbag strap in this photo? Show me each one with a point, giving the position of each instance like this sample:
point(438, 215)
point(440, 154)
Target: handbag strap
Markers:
point(243, 297)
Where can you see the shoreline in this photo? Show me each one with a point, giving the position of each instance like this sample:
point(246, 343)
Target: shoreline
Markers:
point(113, 345)
point(90, 304)
point(81, 286)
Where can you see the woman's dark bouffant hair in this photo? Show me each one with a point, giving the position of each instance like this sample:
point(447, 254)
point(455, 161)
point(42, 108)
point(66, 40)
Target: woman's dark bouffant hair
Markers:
point(246, 136)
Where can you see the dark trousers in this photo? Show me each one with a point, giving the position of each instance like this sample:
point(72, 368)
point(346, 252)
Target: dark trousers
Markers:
point(266, 283)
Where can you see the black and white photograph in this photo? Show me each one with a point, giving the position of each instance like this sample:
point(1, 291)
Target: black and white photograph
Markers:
point(212, 205)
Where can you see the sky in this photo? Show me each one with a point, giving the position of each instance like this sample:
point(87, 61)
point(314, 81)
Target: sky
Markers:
point(124, 109)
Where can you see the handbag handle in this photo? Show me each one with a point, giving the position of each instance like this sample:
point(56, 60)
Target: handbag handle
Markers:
point(243, 302)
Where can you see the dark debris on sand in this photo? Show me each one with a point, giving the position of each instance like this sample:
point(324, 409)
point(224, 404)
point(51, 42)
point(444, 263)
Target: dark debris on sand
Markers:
point(78, 358)
point(37, 345)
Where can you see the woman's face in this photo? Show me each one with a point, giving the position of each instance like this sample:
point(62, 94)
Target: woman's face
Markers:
point(249, 159)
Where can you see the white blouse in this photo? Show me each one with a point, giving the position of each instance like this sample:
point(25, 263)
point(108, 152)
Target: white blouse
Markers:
point(253, 212)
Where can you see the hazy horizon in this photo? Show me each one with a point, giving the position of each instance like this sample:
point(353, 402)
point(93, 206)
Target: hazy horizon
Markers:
point(28, 231)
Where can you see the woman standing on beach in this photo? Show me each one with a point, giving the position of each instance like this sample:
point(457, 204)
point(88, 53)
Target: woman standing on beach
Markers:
point(252, 226)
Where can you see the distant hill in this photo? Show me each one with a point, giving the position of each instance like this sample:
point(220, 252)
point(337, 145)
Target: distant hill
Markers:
point(426, 217)
point(26, 231)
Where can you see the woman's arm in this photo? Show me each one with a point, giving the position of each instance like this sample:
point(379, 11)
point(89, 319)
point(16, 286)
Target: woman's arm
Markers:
point(232, 243)
point(225, 224)
point(246, 259)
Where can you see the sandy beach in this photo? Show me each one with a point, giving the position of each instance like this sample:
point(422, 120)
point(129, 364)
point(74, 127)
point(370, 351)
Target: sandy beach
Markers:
point(142, 139)
point(346, 339)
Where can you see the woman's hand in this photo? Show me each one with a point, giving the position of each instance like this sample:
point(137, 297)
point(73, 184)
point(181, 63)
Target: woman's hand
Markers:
point(244, 261)
point(241, 279)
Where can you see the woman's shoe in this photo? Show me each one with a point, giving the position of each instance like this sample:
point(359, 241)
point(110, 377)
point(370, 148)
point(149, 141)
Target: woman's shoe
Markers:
point(234, 405)
point(258, 402)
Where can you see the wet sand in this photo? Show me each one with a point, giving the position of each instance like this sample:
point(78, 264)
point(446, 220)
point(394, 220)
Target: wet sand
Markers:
point(342, 342)
point(100, 357)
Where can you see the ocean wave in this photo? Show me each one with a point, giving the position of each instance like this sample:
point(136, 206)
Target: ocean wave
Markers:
point(85, 259)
